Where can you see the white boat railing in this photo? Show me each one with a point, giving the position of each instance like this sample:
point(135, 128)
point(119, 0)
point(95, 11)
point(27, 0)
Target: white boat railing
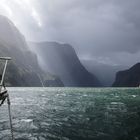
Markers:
point(4, 94)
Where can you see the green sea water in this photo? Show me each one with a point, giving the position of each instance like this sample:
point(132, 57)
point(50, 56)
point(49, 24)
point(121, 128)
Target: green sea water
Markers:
point(72, 114)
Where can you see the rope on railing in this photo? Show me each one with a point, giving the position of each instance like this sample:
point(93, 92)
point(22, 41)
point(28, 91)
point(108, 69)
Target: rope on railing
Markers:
point(10, 116)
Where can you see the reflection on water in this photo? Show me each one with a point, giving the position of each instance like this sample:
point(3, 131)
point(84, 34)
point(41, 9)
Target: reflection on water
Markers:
point(72, 114)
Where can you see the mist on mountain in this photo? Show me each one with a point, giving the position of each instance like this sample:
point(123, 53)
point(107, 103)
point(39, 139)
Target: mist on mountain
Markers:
point(62, 60)
point(23, 69)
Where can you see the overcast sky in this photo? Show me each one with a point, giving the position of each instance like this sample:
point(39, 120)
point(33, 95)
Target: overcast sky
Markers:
point(107, 31)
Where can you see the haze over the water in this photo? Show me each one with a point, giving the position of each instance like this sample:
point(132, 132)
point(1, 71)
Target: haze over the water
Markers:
point(105, 31)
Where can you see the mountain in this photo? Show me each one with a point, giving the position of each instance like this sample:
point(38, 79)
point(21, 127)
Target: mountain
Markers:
point(128, 78)
point(23, 69)
point(62, 60)
point(104, 72)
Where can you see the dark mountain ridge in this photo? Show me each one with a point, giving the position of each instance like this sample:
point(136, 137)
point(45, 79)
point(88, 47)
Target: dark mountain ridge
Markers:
point(62, 60)
point(128, 78)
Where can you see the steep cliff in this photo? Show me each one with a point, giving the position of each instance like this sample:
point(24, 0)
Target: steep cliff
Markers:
point(128, 78)
point(62, 60)
point(23, 70)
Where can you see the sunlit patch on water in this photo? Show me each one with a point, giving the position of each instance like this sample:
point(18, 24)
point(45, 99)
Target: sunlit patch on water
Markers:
point(72, 114)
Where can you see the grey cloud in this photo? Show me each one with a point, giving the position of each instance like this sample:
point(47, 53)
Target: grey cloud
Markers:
point(96, 28)
point(95, 25)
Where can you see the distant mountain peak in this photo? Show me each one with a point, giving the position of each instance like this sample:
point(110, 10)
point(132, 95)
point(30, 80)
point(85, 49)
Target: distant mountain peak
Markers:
point(51, 44)
point(62, 60)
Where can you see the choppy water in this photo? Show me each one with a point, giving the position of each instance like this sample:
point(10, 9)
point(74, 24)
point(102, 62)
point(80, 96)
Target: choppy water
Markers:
point(72, 114)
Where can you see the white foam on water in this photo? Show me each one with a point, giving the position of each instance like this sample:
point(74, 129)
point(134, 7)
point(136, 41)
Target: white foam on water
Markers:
point(27, 120)
point(134, 96)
